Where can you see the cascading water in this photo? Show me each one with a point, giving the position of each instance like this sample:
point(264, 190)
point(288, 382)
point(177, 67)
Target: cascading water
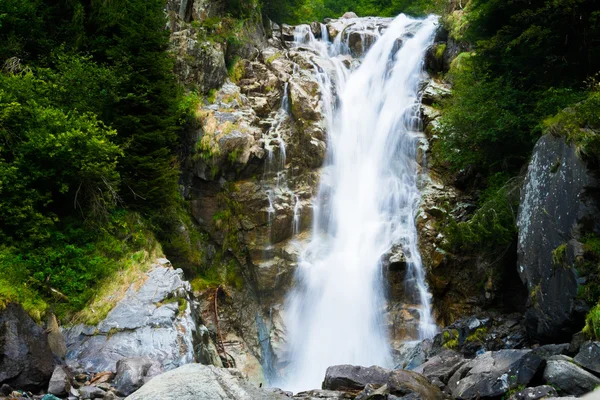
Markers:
point(366, 204)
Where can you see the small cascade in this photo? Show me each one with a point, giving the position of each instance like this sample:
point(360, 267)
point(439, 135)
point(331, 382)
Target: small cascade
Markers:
point(367, 199)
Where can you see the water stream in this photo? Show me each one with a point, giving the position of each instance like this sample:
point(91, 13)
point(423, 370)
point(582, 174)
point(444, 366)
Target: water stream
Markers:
point(366, 204)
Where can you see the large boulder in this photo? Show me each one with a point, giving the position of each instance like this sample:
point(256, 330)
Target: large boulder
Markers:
point(26, 361)
point(202, 382)
point(60, 382)
point(353, 377)
point(563, 373)
point(492, 374)
point(442, 366)
point(409, 383)
point(554, 200)
point(155, 319)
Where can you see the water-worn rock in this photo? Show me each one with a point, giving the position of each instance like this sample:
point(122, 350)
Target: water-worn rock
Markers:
point(26, 361)
point(564, 374)
point(201, 382)
point(407, 383)
point(154, 320)
point(353, 377)
point(534, 393)
point(589, 357)
point(133, 372)
point(60, 382)
point(492, 374)
point(554, 199)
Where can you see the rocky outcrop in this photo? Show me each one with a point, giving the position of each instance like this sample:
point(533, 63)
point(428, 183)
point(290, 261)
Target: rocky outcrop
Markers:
point(26, 361)
point(155, 319)
point(201, 382)
point(554, 204)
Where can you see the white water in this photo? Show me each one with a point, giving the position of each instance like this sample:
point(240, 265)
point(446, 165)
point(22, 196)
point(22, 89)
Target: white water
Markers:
point(366, 203)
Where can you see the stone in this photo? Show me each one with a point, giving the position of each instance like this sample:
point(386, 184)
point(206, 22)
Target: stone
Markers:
point(318, 394)
point(534, 393)
point(147, 322)
point(442, 366)
point(133, 372)
point(50, 397)
point(563, 373)
point(371, 392)
point(26, 360)
point(434, 92)
point(110, 396)
point(577, 341)
point(589, 357)
point(550, 350)
point(554, 199)
point(492, 374)
point(91, 392)
point(202, 382)
point(60, 382)
point(349, 15)
point(401, 382)
point(56, 340)
point(353, 377)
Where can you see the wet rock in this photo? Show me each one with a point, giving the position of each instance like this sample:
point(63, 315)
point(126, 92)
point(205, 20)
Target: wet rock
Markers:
point(26, 361)
point(563, 373)
point(534, 393)
point(589, 357)
point(152, 320)
point(434, 92)
point(202, 382)
point(492, 374)
point(91, 392)
point(554, 200)
point(60, 382)
point(133, 372)
point(352, 377)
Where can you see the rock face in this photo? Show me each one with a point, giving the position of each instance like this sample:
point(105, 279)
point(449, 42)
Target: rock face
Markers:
point(352, 377)
point(589, 357)
point(554, 203)
point(26, 361)
point(492, 374)
point(201, 382)
point(571, 379)
point(153, 320)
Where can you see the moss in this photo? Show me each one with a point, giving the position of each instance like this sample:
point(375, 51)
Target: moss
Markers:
point(440, 50)
point(559, 256)
point(450, 339)
point(592, 323)
point(236, 70)
point(478, 336)
point(183, 304)
point(533, 295)
point(274, 57)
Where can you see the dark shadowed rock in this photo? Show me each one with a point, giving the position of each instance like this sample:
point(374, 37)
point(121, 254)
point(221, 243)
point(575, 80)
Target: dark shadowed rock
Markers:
point(60, 382)
point(492, 374)
point(534, 393)
point(402, 383)
point(577, 341)
point(554, 200)
point(202, 382)
point(353, 377)
point(550, 350)
point(133, 372)
point(589, 357)
point(26, 361)
point(564, 374)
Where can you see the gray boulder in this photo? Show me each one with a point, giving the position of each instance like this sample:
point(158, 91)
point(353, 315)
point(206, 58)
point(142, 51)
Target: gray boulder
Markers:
point(349, 15)
point(60, 382)
point(91, 392)
point(133, 372)
point(442, 366)
point(571, 379)
point(157, 321)
point(554, 199)
point(202, 382)
point(589, 357)
point(353, 377)
point(26, 361)
point(534, 393)
point(492, 374)
point(409, 383)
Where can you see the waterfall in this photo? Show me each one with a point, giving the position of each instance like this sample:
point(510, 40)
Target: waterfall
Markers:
point(366, 204)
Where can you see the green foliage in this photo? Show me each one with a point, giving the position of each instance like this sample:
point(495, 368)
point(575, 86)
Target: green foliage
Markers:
point(478, 336)
point(592, 323)
point(492, 227)
point(559, 255)
point(450, 339)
